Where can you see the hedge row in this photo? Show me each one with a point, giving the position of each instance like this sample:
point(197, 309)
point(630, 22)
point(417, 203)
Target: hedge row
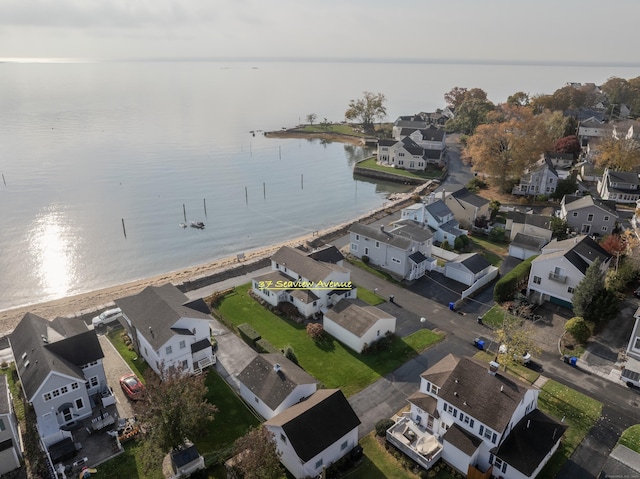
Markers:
point(511, 282)
point(264, 346)
point(248, 334)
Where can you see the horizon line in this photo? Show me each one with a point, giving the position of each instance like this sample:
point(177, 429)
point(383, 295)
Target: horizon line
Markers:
point(434, 61)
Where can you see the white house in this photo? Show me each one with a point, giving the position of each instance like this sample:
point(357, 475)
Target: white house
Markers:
point(169, 330)
point(429, 138)
point(59, 364)
point(478, 420)
point(404, 250)
point(560, 267)
point(271, 383)
point(310, 285)
point(541, 179)
point(631, 372)
point(619, 186)
point(525, 246)
point(315, 433)
point(10, 440)
point(439, 217)
point(528, 224)
point(185, 460)
point(468, 268)
point(357, 324)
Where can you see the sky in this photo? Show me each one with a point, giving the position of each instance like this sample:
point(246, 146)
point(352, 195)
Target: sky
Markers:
point(508, 30)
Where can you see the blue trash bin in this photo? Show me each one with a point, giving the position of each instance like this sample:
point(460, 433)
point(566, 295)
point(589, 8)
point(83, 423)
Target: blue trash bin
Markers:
point(452, 306)
point(573, 361)
point(480, 345)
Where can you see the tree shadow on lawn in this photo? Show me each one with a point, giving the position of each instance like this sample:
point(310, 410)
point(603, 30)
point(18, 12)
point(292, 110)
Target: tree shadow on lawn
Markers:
point(326, 344)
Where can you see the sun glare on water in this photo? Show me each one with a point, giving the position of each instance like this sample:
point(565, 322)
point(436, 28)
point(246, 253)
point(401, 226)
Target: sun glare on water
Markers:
point(52, 252)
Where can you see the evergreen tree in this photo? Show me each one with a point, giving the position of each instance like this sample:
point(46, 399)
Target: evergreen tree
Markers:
point(587, 290)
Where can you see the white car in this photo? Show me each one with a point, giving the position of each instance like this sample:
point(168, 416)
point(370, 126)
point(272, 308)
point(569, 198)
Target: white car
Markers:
point(526, 357)
point(106, 318)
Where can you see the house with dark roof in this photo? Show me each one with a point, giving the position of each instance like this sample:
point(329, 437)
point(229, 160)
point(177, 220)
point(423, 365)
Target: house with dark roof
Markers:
point(561, 266)
point(271, 383)
point(185, 460)
point(622, 462)
point(478, 420)
point(357, 324)
point(525, 246)
point(315, 433)
point(168, 329)
point(309, 284)
point(10, 441)
point(541, 179)
point(619, 186)
point(529, 224)
point(408, 154)
point(429, 138)
point(467, 206)
point(439, 217)
point(59, 364)
point(589, 215)
point(404, 250)
point(468, 268)
point(560, 161)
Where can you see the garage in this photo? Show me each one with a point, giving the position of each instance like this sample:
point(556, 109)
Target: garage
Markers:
point(560, 302)
point(524, 246)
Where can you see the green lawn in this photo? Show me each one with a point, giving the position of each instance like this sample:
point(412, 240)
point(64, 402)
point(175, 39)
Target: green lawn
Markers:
point(494, 253)
point(496, 317)
point(513, 368)
point(631, 438)
point(339, 128)
point(380, 274)
point(369, 296)
point(139, 367)
point(232, 420)
point(333, 364)
point(579, 412)
point(428, 174)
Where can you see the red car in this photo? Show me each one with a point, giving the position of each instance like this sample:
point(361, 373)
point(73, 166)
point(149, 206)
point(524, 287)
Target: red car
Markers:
point(132, 387)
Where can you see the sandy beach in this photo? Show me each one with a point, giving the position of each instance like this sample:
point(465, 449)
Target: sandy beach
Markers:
point(93, 300)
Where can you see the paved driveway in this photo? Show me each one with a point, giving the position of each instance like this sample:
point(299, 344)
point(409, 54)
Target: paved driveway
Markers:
point(114, 368)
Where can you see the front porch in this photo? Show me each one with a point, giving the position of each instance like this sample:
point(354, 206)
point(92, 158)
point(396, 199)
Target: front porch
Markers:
point(416, 443)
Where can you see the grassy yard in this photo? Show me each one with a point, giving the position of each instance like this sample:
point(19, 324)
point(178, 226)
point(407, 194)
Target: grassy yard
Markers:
point(337, 128)
point(492, 252)
point(496, 317)
point(380, 274)
point(579, 412)
point(369, 297)
point(513, 368)
point(232, 420)
point(631, 438)
point(428, 174)
point(329, 361)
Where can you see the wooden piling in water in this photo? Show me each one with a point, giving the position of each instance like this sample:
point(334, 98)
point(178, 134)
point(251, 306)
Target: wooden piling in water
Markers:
point(246, 195)
point(184, 213)
point(124, 230)
point(204, 201)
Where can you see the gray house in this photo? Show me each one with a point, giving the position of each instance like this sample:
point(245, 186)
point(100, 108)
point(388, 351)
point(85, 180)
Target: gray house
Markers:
point(59, 364)
point(619, 186)
point(404, 251)
point(467, 206)
point(588, 215)
point(10, 444)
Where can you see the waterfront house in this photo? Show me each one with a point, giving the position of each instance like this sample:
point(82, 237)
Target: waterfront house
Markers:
point(59, 364)
point(479, 421)
point(271, 383)
point(619, 186)
point(357, 324)
point(168, 329)
point(589, 215)
point(315, 433)
point(10, 440)
point(404, 250)
point(467, 207)
point(561, 266)
point(541, 179)
point(296, 278)
point(407, 154)
point(430, 138)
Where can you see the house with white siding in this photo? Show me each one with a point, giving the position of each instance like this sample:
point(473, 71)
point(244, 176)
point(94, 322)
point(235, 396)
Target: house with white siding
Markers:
point(481, 422)
point(59, 364)
point(541, 179)
point(168, 329)
point(619, 186)
point(10, 439)
point(439, 217)
point(357, 324)
point(468, 268)
point(560, 267)
point(404, 250)
point(271, 383)
point(315, 433)
point(310, 285)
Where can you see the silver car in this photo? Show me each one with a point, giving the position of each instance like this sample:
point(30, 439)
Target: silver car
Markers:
point(106, 318)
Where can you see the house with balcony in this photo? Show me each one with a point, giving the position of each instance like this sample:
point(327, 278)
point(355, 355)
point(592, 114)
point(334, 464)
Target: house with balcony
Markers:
point(479, 421)
point(357, 324)
point(59, 364)
point(561, 266)
point(309, 284)
point(589, 215)
point(541, 179)
point(404, 250)
point(315, 433)
point(271, 383)
point(619, 186)
point(168, 329)
point(10, 439)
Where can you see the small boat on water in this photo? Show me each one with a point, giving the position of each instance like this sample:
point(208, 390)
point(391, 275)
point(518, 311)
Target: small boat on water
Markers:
point(183, 225)
point(197, 224)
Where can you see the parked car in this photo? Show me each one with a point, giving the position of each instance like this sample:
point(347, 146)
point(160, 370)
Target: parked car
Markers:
point(108, 317)
point(132, 386)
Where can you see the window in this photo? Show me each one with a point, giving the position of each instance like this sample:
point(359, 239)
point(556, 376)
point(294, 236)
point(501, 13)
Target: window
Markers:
point(537, 279)
point(636, 345)
point(2, 426)
point(435, 389)
point(319, 464)
point(396, 260)
point(604, 228)
point(185, 365)
point(94, 381)
point(47, 396)
point(183, 344)
point(366, 250)
point(498, 463)
point(570, 290)
point(378, 334)
point(606, 218)
point(56, 393)
point(344, 445)
point(168, 350)
point(575, 214)
point(467, 420)
point(377, 244)
point(590, 217)
point(256, 399)
point(283, 438)
point(75, 386)
point(64, 390)
point(357, 237)
point(79, 403)
point(354, 247)
point(487, 433)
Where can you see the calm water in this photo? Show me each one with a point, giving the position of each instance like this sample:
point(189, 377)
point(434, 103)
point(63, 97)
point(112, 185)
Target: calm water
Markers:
point(85, 145)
